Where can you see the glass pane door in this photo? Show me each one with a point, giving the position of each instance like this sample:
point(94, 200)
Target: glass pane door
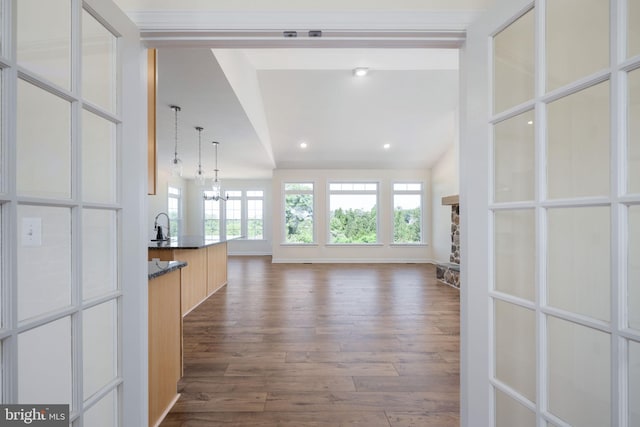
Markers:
point(61, 198)
point(559, 205)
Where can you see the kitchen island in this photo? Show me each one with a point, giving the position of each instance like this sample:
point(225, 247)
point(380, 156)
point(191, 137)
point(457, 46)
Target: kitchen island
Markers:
point(206, 269)
point(165, 337)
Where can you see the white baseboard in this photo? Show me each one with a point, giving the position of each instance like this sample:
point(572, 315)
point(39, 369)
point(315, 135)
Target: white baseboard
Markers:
point(249, 253)
point(350, 261)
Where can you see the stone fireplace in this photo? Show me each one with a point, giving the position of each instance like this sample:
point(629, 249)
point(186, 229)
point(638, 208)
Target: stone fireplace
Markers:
point(449, 272)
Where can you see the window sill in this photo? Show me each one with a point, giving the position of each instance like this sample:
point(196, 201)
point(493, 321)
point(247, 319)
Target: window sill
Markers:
point(298, 244)
point(409, 245)
point(351, 245)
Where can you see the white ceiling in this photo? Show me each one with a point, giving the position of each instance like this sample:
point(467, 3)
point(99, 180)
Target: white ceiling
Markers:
point(131, 5)
point(193, 80)
point(260, 104)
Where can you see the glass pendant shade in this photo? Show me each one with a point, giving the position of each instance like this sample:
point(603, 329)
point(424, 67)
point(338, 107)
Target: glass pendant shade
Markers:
point(176, 167)
point(216, 188)
point(176, 163)
point(200, 176)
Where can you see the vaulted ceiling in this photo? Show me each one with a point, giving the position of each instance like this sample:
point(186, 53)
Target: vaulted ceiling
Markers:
point(261, 104)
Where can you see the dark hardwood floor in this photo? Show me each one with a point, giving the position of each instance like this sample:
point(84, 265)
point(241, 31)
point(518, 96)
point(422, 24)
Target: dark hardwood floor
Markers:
point(300, 345)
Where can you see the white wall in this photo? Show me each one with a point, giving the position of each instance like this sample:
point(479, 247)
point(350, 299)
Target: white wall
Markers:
point(193, 215)
point(445, 182)
point(321, 251)
point(158, 202)
point(193, 209)
point(441, 181)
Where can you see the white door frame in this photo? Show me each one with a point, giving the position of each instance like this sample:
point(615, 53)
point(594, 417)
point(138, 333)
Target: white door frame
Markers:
point(475, 310)
point(134, 360)
point(192, 29)
point(475, 314)
point(394, 30)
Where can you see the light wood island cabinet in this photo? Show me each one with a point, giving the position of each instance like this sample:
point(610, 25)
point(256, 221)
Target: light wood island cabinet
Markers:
point(216, 267)
point(182, 274)
point(165, 337)
point(207, 266)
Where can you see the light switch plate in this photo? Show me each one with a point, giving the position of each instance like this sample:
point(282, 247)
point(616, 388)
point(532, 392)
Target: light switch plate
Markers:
point(31, 231)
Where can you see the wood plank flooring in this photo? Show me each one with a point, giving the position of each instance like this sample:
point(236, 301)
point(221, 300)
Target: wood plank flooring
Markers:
point(319, 345)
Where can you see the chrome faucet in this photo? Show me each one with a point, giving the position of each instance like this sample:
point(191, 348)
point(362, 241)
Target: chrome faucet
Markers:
point(158, 228)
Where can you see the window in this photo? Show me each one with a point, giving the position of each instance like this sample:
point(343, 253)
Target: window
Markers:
point(241, 215)
point(353, 212)
point(255, 203)
point(233, 211)
point(407, 213)
point(174, 211)
point(298, 213)
point(211, 216)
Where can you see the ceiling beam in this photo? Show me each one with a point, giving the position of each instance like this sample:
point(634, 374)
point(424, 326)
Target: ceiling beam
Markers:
point(242, 29)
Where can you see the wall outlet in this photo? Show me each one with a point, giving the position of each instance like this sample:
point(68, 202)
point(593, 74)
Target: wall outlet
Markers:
point(31, 231)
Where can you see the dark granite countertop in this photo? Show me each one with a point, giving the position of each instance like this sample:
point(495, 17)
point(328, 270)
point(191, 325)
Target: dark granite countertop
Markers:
point(185, 242)
point(158, 268)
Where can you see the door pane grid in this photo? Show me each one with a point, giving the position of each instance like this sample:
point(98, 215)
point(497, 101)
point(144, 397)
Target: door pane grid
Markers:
point(99, 59)
point(565, 62)
point(47, 351)
point(512, 394)
point(514, 62)
point(53, 36)
point(513, 190)
point(550, 232)
point(633, 132)
point(632, 261)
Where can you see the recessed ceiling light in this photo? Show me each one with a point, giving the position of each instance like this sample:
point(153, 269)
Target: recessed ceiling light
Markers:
point(386, 146)
point(530, 122)
point(303, 145)
point(360, 71)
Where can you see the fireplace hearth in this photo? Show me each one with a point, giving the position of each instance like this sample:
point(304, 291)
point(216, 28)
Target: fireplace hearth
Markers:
point(449, 272)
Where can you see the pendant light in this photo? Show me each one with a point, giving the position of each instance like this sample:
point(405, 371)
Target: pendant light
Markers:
point(200, 176)
point(216, 188)
point(176, 163)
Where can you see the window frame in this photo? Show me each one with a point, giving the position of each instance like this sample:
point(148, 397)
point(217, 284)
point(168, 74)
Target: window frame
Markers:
point(311, 192)
point(205, 219)
point(177, 231)
point(247, 196)
point(421, 194)
point(231, 196)
point(244, 196)
point(330, 192)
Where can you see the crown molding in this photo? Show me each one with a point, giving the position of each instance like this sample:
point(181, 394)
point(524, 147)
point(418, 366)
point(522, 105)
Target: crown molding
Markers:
point(308, 20)
point(173, 27)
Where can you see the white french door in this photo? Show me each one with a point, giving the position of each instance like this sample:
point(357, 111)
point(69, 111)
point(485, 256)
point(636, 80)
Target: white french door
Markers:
point(550, 162)
point(73, 264)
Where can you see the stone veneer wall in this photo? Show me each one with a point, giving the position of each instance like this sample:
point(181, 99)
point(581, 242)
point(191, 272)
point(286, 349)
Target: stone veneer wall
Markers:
point(449, 273)
point(455, 235)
